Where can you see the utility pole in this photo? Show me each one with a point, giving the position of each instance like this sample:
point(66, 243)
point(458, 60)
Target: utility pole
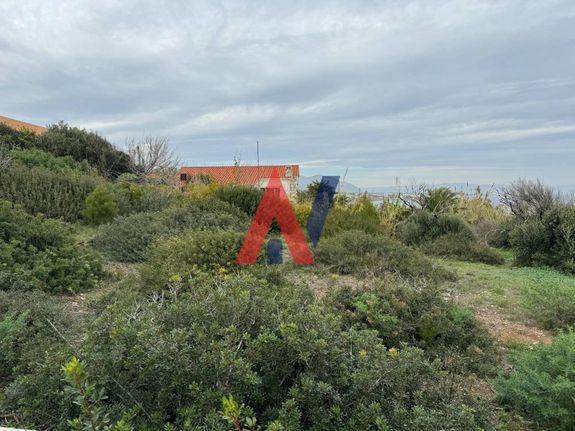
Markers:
point(258, 157)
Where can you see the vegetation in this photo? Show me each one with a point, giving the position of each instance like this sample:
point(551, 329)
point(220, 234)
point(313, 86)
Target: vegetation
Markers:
point(41, 254)
point(541, 383)
point(409, 321)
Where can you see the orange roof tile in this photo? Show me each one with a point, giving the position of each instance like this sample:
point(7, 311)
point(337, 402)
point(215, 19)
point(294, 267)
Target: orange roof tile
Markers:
point(244, 175)
point(21, 125)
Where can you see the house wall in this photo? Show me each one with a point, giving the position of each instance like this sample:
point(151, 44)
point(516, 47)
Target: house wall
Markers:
point(290, 185)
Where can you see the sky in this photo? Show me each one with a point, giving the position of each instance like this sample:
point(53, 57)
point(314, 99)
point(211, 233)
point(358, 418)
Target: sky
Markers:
point(410, 91)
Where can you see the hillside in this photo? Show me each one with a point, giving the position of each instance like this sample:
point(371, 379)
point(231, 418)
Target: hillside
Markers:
point(122, 306)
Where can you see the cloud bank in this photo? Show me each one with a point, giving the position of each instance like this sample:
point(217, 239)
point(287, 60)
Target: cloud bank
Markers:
point(436, 91)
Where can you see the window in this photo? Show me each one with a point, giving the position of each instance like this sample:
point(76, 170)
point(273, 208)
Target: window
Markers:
point(183, 177)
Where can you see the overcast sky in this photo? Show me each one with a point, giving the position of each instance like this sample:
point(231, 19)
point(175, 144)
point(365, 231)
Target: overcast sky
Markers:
point(435, 91)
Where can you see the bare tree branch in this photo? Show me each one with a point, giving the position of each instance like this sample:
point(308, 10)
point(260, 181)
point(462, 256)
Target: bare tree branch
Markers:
point(151, 154)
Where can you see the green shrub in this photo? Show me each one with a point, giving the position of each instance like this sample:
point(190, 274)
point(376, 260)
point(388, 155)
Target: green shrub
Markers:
point(550, 300)
point(35, 157)
point(541, 383)
point(128, 238)
point(182, 255)
point(40, 253)
point(12, 138)
point(101, 206)
point(244, 197)
point(355, 252)
point(39, 190)
point(460, 247)
point(549, 241)
point(63, 140)
point(424, 226)
point(415, 313)
point(286, 358)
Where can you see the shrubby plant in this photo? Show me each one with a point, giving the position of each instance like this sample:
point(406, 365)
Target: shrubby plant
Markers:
point(63, 140)
point(288, 360)
point(549, 241)
point(244, 197)
point(128, 238)
point(356, 252)
point(40, 253)
point(40, 190)
point(541, 383)
point(101, 206)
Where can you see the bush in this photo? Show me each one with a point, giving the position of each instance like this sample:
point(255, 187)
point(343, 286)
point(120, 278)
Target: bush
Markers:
point(286, 358)
point(415, 313)
point(182, 255)
point(63, 140)
point(551, 300)
point(101, 206)
point(32, 327)
point(460, 247)
point(549, 241)
point(355, 252)
point(424, 226)
point(39, 190)
point(128, 238)
point(244, 197)
point(40, 253)
point(35, 157)
point(541, 383)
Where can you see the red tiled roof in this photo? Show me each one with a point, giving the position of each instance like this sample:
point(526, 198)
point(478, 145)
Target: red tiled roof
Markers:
point(21, 125)
point(244, 175)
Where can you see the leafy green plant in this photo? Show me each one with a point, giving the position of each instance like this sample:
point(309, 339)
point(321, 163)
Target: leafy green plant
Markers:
point(424, 226)
point(40, 253)
point(541, 383)
point(128, 238)
point(244, 197)
point(41, 191)
point(461, 247)
point(101, 206)
point(356, 252)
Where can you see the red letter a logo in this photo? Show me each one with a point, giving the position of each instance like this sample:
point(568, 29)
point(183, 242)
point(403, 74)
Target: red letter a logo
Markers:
point(275, 204)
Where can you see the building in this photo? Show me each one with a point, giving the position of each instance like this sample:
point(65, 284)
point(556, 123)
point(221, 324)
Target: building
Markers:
point(21, 125)
point(244, 175)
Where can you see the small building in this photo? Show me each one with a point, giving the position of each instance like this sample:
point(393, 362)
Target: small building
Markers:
point(21, 125)
point(243, 175)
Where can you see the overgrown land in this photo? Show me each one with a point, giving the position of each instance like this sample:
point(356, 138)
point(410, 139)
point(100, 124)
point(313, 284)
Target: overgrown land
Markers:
point(121, 307)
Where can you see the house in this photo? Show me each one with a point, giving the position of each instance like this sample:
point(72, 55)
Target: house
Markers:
point(256, 176)
point(21, 125)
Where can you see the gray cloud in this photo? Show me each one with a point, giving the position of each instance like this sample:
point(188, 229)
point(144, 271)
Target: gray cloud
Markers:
point(439, 91)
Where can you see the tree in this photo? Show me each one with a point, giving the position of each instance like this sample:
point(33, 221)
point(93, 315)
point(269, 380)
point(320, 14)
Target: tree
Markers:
point(526, 198)
point(151, 156)
point(63, 140)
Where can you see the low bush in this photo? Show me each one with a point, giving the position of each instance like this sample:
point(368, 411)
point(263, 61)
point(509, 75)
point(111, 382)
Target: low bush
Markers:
point(33, 329)
point(356, 252)
point(415, 313)
point(244, 197)
point(551, 301)
point(40, 253)
point(424, 226)
point(128, 238)
point(35, 157)
point(288, 361)
point(460, 247)
point(101, 206)
point(541, 383)
point(39, 190)
point(181, 256)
